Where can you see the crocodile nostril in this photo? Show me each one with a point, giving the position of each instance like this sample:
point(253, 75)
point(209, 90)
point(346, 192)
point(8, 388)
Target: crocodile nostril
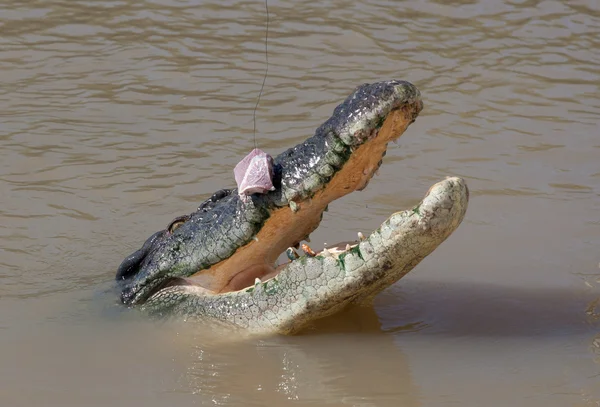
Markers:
point(129, 266)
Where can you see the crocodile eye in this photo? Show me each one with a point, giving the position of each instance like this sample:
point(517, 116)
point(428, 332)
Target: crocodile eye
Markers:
point(175, 223)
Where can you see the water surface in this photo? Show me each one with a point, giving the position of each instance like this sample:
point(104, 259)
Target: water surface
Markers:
point(116, 116)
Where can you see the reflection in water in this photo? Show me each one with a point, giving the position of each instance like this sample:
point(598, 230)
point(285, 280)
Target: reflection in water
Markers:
point(118, 115)
point(475, 310)
point(469, 321)
point(359, 367)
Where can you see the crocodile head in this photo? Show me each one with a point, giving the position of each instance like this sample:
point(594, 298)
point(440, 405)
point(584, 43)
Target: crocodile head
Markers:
point(219, 261)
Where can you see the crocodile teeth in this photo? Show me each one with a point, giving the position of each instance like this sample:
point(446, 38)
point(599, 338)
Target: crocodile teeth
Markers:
point(257, 281)
point(294, 206)
point(291, 253)
point(308, 250)
point(255, 238)
point(326, 253)
point(348, 247)
point(361, 237)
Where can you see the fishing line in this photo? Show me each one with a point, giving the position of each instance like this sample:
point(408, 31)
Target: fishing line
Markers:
point(266, 72)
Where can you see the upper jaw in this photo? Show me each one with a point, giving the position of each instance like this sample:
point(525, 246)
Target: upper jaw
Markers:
point(352, 123)
point(227, 223)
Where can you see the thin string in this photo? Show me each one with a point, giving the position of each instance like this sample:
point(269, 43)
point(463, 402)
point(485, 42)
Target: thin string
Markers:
point(266, 72)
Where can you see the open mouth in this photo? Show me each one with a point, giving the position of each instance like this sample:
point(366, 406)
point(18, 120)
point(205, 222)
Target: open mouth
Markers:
point(316, 285)
point(230, 244)
point(220, 262)
point(288, 227)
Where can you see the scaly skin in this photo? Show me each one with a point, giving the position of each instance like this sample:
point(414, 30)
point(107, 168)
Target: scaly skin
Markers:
point(203, 264)
point(314, 287)
point(225, 222)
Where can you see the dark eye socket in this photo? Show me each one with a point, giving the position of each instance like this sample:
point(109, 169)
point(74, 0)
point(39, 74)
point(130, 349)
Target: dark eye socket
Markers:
point(175, 223)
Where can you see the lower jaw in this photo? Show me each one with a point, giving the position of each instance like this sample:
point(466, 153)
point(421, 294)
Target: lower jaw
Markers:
point(310, 288)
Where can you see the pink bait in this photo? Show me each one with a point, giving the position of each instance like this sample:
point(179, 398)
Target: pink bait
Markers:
point(254, 174)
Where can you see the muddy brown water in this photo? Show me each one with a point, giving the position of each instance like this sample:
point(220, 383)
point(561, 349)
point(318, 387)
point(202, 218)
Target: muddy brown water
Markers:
point(117, 116)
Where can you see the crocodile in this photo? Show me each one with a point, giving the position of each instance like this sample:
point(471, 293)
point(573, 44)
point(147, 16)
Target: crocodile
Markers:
point(219, 262)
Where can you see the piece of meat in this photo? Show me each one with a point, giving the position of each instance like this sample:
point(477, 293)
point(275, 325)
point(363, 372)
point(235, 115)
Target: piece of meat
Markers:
point(254, 174)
